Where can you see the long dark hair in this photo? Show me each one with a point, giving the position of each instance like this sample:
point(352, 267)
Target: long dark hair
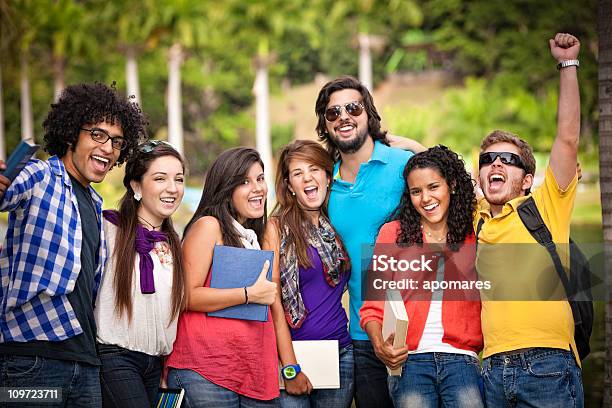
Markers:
point(338, 84)
point(225, 174)
point(125, 246)
point(462, 199)
point(287, 211)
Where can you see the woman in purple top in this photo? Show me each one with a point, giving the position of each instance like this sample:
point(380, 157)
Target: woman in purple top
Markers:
point(312, 268)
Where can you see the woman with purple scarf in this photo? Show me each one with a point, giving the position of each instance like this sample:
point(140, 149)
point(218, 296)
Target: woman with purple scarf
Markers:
point(312, 268)
point(142, 289)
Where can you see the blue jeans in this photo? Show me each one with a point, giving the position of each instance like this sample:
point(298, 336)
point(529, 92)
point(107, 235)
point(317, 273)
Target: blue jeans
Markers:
point(80, 383)
point(538, 377)
point(199, 392)
point(129, 379)
point(371, 389)
point(335, 398)
point(438, 380)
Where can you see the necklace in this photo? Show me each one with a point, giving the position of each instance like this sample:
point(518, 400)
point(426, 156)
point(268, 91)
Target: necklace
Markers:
point(153, 227)
point(430, 235)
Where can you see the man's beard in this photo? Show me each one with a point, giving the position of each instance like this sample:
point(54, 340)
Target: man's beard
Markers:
point(351, 145)
point(516, 190)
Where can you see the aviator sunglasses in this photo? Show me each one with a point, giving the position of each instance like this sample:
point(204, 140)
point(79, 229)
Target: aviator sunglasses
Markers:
point(507, 158)
point(352, 108)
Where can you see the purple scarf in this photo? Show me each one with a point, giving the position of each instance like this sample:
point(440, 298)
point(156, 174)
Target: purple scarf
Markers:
point(145, 241)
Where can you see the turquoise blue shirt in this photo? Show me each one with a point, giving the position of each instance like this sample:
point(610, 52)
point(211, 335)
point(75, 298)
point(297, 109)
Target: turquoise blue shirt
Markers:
point(357, 211)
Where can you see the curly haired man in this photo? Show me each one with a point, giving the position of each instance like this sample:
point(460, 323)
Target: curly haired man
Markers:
point(54, 252)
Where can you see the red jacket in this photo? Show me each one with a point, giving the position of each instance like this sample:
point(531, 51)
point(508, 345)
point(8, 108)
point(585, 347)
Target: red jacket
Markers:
point(460, 318)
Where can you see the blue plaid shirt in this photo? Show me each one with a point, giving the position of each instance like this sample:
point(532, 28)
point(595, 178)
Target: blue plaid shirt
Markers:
point(40, 260)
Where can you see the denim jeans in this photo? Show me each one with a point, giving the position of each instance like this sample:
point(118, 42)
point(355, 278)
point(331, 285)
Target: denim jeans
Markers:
point(334, 398)
point(199, 392)
point(438, 380)
point(371, 389)
point(80, 382)
point(538, 377)
point(129, 379)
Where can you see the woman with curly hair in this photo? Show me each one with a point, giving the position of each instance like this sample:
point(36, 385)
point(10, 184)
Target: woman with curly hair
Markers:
point(440, 361)
point(313, 270)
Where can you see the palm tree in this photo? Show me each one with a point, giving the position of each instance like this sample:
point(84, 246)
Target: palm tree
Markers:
point(2, 137)
point(175, 110)
point(138, 31)
point(27, 120)
point(63, 22)
point(26, 30)
point(184, 23)
point(605, 172)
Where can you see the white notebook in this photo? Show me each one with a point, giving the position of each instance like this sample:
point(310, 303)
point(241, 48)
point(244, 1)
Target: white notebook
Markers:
point(320, 361)
point(395, 320)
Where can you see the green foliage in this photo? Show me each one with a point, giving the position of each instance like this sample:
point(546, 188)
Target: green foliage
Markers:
point(464, 115)
point(503, 42)
point(506, 41)
point(281, 136)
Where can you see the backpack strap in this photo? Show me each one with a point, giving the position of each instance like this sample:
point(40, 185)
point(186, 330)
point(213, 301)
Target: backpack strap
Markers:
point(531, 218)
point(478, 228)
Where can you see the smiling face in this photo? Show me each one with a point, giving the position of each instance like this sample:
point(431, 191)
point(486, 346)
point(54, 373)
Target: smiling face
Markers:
point(347, 132)
point(248, 198)
point(430, 195)
point(501, 182)
point(90, 161)
point(309, 182)
point(162, 188)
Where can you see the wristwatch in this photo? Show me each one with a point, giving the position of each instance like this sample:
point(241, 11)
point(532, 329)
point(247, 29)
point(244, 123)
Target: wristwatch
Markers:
point(568, 63)
point(290, 371)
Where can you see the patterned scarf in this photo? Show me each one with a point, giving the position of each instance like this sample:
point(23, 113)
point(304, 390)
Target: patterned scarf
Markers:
point(323, 239)
point(145, 242)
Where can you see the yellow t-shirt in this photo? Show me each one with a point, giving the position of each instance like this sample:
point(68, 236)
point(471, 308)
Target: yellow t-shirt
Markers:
point(521, 323)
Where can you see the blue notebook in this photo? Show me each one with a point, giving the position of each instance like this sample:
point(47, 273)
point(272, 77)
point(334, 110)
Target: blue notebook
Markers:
point(235, 268)
point(18, 159)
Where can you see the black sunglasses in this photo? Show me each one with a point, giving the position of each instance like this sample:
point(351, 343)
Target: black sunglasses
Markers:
point(352, 108)
point(508, 158)
point(102, 136)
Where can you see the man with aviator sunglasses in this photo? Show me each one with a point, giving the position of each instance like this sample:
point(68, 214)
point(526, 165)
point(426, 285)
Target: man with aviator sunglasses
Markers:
point(530, 356)
point(55, 251)
point(367, 188)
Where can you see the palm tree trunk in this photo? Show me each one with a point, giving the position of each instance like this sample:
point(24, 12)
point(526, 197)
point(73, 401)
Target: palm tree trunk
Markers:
point(131, 74)
point(2, 135)
point(605, 172)
point(365, 61)
point(27, 126)
point(175, 115)
point(262, 117)
point(59, 81)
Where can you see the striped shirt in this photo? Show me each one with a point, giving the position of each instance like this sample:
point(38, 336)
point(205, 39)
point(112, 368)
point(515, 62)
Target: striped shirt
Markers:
point(40, 258)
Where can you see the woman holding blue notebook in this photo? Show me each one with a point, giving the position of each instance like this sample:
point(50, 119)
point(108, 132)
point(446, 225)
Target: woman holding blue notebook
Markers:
point(313, 269)
point(223, 362)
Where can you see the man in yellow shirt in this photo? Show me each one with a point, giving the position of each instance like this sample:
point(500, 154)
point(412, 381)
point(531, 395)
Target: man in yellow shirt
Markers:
point(529, 357)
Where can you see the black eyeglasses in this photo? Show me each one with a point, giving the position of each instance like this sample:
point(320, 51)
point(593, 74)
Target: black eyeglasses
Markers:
point(352, 108)
point(508, 158)
point(102, 136)
point(149, 146)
